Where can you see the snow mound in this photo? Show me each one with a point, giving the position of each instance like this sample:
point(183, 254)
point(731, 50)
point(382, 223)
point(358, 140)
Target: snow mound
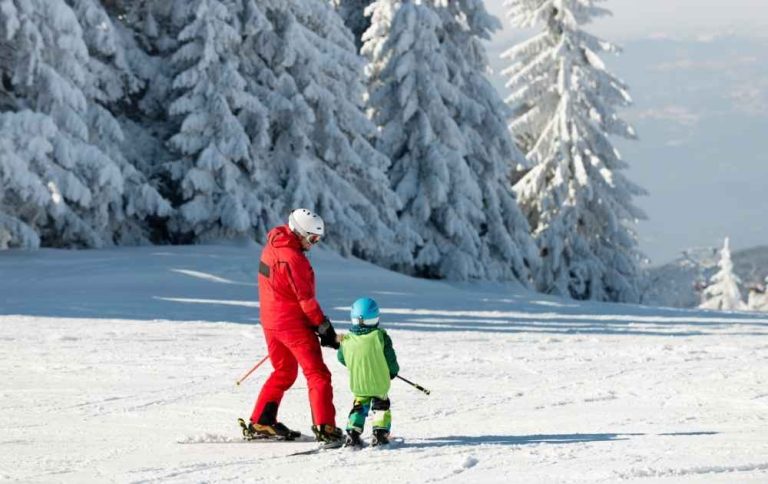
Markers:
point(208, 438)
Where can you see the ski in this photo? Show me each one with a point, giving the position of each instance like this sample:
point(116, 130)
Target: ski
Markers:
point(322, 448)
point(221, 439)
point(393, 443)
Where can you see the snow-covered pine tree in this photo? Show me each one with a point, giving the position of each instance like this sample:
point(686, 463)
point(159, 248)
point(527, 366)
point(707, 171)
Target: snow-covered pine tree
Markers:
point(491, 154)
point(156, 26)
point(149, 30)
point(758, 297)
point(45, 63)
point(413, 102)
point(353, 13)
point(212, 176)
point(306, 71)
point(114, 82)
point(723, 292)
point(310, 147)
point(26, 145)
point(576, 198)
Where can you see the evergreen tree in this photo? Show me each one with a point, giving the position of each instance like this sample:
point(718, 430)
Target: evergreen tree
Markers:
point(723, 289)
point(758, 297)
point(576, 199)
point(47, 68)
point(299, 60)
point(339, 172)
point(307, 145)
point(55, 85)
point(114, 82)
point(490, 152)
point(437, 116)
point(212, 177)
point(26, 146)
point(353, 13)
point(150, 30)
point(409, 90)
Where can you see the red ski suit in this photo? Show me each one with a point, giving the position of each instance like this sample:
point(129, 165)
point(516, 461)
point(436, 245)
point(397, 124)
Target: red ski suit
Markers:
point(289, 315)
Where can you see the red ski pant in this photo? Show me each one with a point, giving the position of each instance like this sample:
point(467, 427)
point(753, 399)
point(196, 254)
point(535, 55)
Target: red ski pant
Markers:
point(289, 349)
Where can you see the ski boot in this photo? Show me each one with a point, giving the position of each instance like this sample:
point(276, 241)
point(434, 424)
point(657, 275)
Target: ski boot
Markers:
point(276, 431)
point(380, 437)
point(329, 435)
point(353, 439)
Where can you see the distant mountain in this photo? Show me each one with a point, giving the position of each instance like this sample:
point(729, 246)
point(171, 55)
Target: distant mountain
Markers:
point(674, 284)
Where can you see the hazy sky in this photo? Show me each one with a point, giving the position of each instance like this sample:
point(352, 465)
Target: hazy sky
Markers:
point(643, 18)
point(698, 74)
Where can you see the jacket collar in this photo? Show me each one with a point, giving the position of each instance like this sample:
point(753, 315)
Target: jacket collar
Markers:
point(282, 236)
point(361, 330)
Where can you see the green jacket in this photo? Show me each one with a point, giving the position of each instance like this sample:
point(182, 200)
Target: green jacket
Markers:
point(371, 360)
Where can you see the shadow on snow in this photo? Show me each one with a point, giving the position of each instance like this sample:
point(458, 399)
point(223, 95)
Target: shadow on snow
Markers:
point(477, 440)
point(217, 284)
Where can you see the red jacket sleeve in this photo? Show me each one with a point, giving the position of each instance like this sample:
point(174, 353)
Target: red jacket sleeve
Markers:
point(302, 279)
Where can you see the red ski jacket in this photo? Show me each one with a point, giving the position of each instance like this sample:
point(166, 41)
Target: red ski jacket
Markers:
point(286, 284)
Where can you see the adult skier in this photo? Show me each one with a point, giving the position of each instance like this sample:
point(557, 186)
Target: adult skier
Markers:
point(292, 321)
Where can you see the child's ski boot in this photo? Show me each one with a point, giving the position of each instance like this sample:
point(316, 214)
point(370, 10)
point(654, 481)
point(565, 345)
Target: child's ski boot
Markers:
point(330, 436)
point(380, 437)
point(353, 439)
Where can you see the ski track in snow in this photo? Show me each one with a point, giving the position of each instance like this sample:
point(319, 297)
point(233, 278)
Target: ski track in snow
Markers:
point(107, 379)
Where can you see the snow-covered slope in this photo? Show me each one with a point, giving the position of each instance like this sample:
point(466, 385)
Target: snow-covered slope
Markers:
point(119, 366)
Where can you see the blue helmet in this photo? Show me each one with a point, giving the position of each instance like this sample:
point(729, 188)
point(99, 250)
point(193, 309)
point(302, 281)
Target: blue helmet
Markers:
point(365, 312)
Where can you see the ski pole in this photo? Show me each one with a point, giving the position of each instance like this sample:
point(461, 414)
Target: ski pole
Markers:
point(417, 386)
point(238, 382)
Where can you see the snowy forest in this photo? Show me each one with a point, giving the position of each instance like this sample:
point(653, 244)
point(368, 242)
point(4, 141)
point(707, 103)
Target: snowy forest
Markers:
point(127, 122)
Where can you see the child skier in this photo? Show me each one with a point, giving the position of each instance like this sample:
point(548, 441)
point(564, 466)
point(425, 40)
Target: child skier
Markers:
point(368, 354)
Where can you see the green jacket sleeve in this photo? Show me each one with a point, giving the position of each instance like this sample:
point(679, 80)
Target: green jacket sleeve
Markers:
point(389, 354)
point(340, 356)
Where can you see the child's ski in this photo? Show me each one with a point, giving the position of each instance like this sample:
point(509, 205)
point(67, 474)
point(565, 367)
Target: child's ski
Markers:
point(322, 448)
point(393, 443)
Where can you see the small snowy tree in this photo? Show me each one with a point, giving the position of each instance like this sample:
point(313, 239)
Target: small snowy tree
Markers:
point(723, 291)
point(758, 297)
point(576, 199)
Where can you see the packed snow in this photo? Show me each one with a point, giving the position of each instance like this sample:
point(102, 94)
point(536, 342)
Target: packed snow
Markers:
point(119, 365)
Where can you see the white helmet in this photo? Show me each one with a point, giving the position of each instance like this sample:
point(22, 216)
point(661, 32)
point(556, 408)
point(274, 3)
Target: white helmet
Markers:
point(306, 223)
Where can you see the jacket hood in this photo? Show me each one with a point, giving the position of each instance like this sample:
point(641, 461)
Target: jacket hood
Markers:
point(282, 236)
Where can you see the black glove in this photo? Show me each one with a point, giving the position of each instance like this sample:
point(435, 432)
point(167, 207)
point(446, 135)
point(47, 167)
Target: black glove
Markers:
point(327, 334)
